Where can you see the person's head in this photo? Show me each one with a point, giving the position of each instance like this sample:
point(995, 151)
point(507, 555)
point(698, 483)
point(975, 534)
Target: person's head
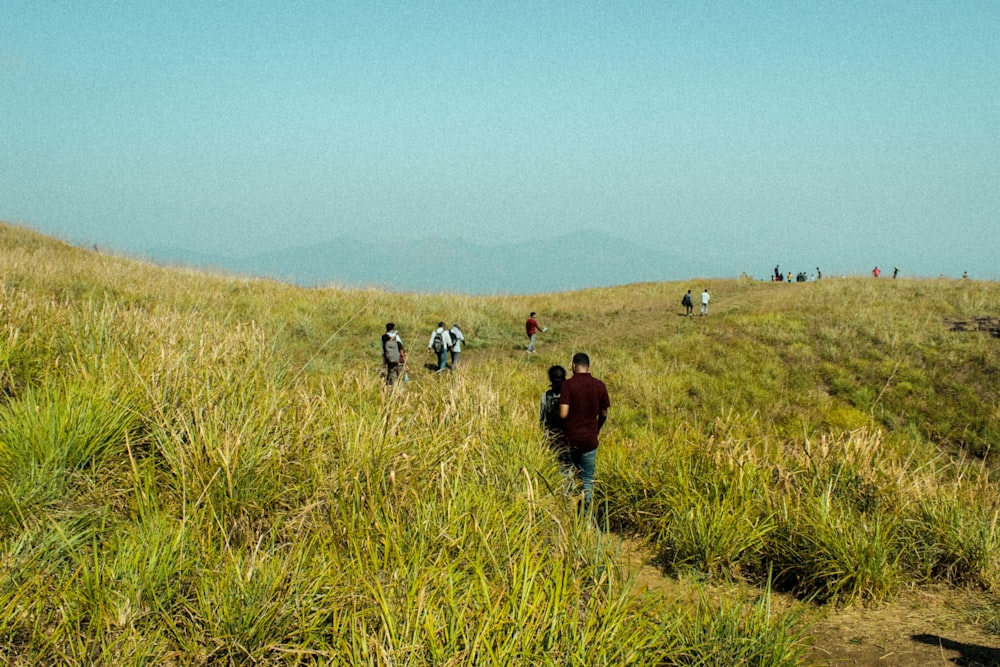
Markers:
point(389, 326)
point(440, 325)
point(557, 374)
point(532, 314)
point(581, 362)
point(455, 326)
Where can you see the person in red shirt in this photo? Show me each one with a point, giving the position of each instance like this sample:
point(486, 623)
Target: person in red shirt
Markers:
point(583, 405)
point(531, 328)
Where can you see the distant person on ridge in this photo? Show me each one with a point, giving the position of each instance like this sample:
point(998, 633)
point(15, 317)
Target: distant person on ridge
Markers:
point(705, 298)
point(688, 302)
point(777, 274)
point(457, 338)
point(895, 272)
point(548, 416)
point(531, 329)
point(583, 406)
point(439, 343)
point(819, 274)
point(393, 353)
point(876, 272)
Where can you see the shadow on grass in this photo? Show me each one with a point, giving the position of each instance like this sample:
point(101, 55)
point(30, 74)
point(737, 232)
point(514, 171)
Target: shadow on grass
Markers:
point(969, 655)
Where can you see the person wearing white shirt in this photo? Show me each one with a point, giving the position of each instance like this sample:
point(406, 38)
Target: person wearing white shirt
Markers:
point(704, 301)
point(439, 343)
point(457, 338)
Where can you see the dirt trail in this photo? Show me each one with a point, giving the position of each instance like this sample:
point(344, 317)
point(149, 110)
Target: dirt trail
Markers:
point(919, 628)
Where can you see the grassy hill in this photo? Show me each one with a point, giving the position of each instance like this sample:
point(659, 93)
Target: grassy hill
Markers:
point(201, 469)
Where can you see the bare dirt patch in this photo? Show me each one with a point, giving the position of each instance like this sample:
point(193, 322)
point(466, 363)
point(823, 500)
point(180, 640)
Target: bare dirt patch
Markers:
point(919, 628)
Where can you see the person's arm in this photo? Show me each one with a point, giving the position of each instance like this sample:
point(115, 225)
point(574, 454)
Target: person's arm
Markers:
point(563, 410)
point(601, 418)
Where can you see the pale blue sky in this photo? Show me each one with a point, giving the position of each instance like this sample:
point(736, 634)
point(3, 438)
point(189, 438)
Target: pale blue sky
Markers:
point(839, 134)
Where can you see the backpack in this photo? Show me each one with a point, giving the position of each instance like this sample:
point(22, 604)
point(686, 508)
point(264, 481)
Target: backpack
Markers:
point(550, 417)
point(438, 343)
point(392, 350)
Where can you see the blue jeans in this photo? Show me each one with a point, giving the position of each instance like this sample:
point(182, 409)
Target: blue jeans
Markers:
point(584, 464)
point(531, 343)
point(442, 360)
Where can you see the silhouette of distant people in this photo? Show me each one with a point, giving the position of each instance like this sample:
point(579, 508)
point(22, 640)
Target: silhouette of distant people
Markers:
point(688, 302)
point(876, 272)
point(819, 273)
point(777, 274)
point(895, 272)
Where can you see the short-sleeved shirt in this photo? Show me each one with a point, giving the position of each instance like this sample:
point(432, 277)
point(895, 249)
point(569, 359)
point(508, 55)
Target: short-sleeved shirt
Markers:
point(586, 397)
point(531, 326)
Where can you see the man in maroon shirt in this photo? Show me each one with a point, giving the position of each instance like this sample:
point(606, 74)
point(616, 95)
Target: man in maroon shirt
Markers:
point(531, 328)
point(583, 405)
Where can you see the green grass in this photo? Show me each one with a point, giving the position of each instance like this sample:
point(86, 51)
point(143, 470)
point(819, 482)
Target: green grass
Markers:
point(200, 469)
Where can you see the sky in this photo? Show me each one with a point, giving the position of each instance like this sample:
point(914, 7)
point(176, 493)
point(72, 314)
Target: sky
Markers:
point(838, 134)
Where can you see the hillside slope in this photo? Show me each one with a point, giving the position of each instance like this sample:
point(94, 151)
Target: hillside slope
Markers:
point(200, 468)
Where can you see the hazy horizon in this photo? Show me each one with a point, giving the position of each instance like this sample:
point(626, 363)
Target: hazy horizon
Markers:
point(839, 135)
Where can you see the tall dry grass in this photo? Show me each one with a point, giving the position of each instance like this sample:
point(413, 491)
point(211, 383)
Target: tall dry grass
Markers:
point(202, 469)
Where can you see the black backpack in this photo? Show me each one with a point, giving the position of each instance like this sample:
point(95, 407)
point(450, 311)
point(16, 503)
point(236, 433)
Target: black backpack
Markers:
point(438, 343)
point(551, 418)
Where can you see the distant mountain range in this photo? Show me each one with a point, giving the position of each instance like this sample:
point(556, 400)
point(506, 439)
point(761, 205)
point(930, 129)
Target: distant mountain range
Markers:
point(573, 261)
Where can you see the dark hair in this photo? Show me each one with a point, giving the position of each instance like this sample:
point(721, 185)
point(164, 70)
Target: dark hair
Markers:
point(441, 324)
point(532, 314)
point(581, 359)
point(389, 326)
point(557, 374)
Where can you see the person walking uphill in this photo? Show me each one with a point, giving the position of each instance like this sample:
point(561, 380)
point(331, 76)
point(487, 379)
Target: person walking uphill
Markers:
point(457, 338)
point(393, 353)
point(439, 343)
point(705, 298)
point(688, 302)
point(531, 329)
point(548, 416)
point(583, 406)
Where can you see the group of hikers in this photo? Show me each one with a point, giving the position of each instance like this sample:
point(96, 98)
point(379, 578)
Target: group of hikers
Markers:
point(878, 272)
point(442, 343)
point(800, 277)
point(573, 409)
point(688, 302)
point(573, 412)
